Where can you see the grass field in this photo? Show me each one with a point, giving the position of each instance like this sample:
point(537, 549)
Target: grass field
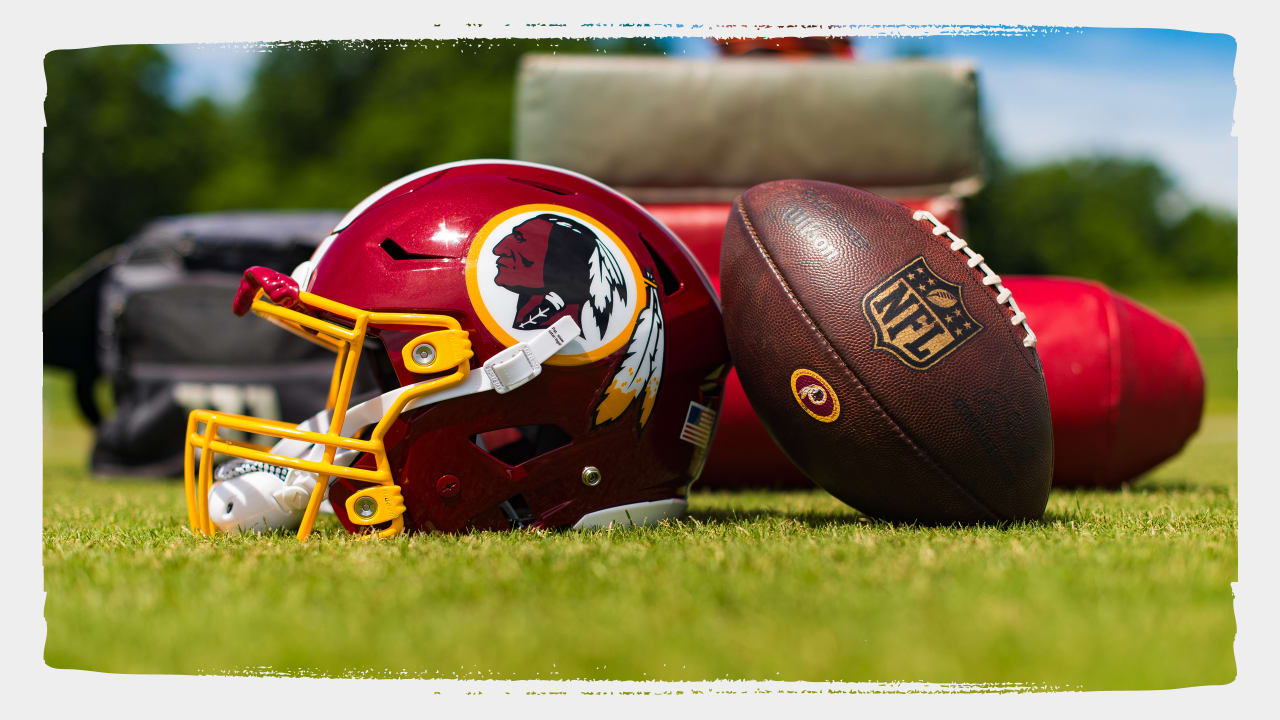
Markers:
point(1113, 590)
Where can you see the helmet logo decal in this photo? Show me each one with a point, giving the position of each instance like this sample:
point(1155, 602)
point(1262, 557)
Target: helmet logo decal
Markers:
point(640, 372)
point(556, 266)
point(534, 264)
point(607, 283)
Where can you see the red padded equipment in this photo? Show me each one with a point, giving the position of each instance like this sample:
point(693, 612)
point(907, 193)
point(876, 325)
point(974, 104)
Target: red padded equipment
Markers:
point(1126, 388)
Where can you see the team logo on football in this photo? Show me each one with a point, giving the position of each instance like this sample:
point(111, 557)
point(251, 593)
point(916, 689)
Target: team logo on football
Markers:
point(918, 316)
point(534, 264)
point(815, 395)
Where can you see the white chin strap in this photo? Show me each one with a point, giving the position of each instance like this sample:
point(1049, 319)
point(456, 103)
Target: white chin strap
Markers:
point(260, 501)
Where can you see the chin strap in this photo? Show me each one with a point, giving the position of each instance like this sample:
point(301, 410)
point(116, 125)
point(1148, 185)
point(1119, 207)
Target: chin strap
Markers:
point(502, 373)
point(505, 371)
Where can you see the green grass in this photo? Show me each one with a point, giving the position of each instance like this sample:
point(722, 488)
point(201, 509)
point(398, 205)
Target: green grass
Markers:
point(1113, 590)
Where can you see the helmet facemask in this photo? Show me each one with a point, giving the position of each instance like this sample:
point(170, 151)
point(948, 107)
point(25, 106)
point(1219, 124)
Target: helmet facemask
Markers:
point(444, 351)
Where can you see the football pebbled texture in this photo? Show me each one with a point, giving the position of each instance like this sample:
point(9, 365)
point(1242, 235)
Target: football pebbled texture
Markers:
point(879, 361)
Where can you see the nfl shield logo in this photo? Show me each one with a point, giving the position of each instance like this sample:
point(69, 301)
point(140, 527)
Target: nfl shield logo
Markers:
point(918, 316)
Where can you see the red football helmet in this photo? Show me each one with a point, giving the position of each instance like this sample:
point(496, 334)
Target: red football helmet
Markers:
point(549, 355)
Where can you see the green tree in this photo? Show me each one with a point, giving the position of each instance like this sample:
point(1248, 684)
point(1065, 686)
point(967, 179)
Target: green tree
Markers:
point(1097, 217)
point(323, 125)
point(327, 123)
point(116, 153)
point(1204, 245)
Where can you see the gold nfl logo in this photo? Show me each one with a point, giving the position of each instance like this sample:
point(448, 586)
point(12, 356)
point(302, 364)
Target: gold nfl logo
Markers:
point(918, 316)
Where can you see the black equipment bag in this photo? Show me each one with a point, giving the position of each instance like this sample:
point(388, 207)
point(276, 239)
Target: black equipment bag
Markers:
point(154, 317)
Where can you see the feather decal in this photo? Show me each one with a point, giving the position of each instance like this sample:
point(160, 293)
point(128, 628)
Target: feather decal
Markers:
point(607, 281)
point(651, 366)
point(640, 372)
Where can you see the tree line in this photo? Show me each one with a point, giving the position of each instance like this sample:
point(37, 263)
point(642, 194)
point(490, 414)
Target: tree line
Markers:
point(324, 123)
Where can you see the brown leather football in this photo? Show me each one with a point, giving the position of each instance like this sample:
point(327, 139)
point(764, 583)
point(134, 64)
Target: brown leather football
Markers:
point(884, 356)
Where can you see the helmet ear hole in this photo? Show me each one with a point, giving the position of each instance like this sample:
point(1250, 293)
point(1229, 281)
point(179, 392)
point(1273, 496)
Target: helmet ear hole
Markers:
point(517, 445)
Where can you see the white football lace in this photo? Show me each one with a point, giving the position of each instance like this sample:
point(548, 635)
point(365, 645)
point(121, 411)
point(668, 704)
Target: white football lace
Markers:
point(988, 275)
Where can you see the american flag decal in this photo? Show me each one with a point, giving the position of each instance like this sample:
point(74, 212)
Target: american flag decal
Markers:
point(698, 424)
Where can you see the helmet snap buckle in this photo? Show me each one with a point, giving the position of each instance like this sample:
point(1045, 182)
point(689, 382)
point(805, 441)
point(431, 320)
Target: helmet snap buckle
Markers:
point(512, 368)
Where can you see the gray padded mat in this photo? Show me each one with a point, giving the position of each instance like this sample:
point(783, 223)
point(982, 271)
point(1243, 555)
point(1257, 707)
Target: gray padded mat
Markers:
point(691, 130)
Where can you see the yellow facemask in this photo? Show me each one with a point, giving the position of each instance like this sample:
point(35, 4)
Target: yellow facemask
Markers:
point(444, 349)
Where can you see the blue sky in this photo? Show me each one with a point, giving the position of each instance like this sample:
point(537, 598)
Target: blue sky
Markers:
point(1167, 95)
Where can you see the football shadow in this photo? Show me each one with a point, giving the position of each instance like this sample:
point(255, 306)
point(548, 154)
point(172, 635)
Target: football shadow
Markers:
point(814, 520)
point(818, 519)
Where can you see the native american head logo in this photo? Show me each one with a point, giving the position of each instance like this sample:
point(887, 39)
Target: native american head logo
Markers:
point(534, 264)
point(559, 266)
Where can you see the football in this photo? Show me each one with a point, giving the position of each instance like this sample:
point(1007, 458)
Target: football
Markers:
point(1126, 386)
point(884, 356)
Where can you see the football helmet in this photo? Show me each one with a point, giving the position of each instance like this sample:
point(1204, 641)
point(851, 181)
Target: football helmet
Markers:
point(548, 354)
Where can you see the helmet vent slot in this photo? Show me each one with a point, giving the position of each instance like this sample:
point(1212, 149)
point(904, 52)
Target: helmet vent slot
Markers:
point(392, 248)
point(670, 283)
point(517, 511)
point(542, 186)
point(516, 445)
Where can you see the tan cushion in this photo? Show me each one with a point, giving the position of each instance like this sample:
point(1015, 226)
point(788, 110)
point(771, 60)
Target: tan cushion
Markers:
point(698, 130)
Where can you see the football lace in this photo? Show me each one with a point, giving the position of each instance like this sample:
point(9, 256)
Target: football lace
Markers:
point(989, 277)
